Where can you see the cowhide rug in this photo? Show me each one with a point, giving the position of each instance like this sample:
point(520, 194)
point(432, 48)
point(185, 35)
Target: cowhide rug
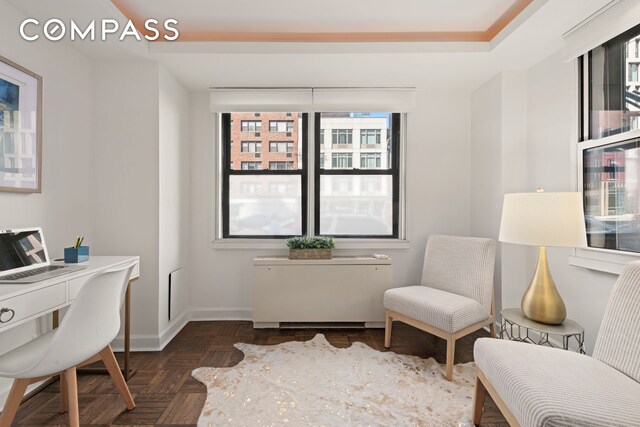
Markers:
point(313, 383)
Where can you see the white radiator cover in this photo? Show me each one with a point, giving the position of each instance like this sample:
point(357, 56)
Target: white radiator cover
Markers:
point(342, 289)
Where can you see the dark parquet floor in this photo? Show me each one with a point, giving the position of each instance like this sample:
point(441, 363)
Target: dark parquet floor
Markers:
point(167, 395)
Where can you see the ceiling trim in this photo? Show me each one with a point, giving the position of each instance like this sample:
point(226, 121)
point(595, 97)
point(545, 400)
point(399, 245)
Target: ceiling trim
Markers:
point(336, 37)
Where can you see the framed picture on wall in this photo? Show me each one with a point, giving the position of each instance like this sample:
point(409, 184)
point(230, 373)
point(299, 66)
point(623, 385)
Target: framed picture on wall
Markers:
point(20, 128)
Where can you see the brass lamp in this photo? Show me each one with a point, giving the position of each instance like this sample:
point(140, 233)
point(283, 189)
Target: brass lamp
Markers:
point(543, 219)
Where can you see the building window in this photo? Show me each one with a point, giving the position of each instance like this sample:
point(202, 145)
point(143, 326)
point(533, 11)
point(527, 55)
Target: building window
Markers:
point(321, 137)
point(251, 125)
point(357, 200)
point(370, 136)
point(342, 136)
point(264, 183)
point(280, 166)
point(281, 146)
point(609, 147)
point(280, 125)
point(250, 166)
point(341, 160)
point(370, 160)
point(251, 146)
point(253, 204)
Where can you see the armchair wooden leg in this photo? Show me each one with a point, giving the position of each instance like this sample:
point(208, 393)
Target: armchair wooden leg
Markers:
point(12, 404)
point(478, 400)
point(110, 362)
point(451, 350)
point(72, 396)
point(492, 329)
point(388, 323)
point(63, 394)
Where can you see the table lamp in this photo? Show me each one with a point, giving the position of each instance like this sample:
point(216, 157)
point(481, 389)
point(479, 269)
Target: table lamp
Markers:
point(543, 219)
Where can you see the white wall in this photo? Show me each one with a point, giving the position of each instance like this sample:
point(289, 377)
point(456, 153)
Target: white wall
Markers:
point(438, 193)
point(521, 127)
point(486, 170)
point(549, 88)
point(63, 207)
point(125, 177)
point(173, 212)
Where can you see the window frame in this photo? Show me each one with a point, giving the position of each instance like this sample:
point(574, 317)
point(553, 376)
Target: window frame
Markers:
point(227, 172)
point(606, 260)
point(394, 171)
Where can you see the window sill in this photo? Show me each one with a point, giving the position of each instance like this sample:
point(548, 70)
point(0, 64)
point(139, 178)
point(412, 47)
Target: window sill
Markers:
point(341, 244)
point(604, 260)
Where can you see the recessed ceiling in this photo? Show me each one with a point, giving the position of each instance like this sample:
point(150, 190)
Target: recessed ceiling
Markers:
point(329, 20)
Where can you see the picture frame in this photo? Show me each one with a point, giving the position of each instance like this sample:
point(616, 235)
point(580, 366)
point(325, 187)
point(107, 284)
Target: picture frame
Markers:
point(20, 129)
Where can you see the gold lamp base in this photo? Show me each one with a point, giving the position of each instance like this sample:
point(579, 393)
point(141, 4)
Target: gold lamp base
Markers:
point(542, 301)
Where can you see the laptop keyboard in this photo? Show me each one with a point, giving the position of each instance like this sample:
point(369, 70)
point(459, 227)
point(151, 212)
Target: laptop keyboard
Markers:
point(33, 272)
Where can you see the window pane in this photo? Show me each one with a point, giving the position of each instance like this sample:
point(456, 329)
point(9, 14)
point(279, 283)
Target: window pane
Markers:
point(614, 86)
point(261, 205)
point(612, 196)
point(356, 205)
point(253, 148)
point(355, 141)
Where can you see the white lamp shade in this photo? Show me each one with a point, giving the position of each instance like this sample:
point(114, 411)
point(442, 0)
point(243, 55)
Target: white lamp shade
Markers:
point(543, 219)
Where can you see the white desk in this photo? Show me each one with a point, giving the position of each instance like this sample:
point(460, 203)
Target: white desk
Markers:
point(31, 301)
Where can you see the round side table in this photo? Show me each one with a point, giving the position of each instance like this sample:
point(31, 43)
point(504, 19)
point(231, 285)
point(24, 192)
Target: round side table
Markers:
point(516, 327)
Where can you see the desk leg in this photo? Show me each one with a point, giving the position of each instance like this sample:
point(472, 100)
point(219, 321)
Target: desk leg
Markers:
point(127, 331)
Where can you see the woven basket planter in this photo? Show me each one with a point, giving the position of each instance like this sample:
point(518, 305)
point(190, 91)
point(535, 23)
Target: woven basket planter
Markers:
point(309, 253)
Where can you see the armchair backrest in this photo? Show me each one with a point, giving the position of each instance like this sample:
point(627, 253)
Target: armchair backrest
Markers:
point(618, 343)
point(461, 265)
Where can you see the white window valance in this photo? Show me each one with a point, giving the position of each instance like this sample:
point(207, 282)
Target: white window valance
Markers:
point(613, 19)
point(398, 100)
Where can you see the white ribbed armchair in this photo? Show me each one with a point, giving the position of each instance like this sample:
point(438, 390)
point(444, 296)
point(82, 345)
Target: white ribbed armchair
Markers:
point(455, 297)
point(541, 386)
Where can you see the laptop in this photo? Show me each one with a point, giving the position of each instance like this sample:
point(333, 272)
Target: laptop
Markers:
point(24, 257)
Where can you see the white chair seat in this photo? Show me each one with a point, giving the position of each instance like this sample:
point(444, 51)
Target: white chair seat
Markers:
point(544, 386)
point(444, 310)
point(19, 362)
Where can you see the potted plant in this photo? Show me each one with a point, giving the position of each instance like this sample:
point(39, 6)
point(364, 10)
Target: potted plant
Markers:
point(310, 247)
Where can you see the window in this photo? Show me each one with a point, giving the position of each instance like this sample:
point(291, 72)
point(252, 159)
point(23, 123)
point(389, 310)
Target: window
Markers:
point(370, 137)
point(251, 146)
point(264, 185)
point(259, 201)
point(281, 146)
point(370, 160)
point(342, 136)
point(280, 166)
point(281, 126)
point(341, 160)
point(357, 200)
point(250, 166)
point(251, 125)
point(610, 146)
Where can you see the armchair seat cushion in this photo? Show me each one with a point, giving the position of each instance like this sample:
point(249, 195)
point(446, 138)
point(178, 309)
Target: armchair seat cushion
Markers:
point(544, 386)
point(444, 310)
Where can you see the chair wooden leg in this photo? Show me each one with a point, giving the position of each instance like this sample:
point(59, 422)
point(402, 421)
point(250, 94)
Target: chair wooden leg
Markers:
point(72, 396)
point(63, 394)
point(451, 350)
point(388, 323)
point(110, 362)
point(13, 401)
point(492, 329)
point(478, 400)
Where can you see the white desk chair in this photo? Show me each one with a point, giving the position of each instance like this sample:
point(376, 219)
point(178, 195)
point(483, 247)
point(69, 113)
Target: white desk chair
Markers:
point(83, 337)
point(456, 294)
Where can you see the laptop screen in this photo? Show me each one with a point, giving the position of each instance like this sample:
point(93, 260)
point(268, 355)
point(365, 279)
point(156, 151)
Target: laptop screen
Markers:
point(21, 248)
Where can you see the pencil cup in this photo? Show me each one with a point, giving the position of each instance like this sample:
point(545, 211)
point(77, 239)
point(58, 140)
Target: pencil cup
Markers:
point(74, 255)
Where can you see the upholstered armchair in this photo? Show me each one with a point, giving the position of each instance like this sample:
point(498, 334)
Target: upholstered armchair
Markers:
point(541, 386)
point(455, 296)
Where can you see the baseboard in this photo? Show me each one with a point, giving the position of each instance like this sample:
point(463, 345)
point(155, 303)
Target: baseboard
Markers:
point(204, 314)
point(153, 342)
